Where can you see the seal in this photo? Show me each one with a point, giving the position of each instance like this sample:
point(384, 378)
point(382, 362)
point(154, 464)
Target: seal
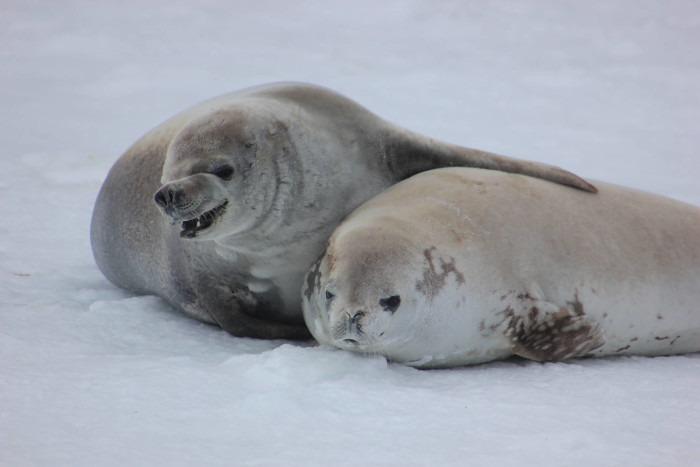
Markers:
point(461, 266)
point(221, 209)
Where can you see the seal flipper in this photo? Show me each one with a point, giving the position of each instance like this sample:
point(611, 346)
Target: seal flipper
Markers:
point(544, 331)
point(411, 153)
point(227, 306)
point(241, 324)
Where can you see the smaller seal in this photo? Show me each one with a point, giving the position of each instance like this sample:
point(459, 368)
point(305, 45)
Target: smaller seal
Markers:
point(461, 266)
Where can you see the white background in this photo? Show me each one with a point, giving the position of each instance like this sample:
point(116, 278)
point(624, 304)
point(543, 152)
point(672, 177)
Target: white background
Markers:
point(92, 375)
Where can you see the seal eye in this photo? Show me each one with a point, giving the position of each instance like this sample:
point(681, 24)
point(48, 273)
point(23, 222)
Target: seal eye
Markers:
point(329, 296)
point(225, 172)
point(390, 304)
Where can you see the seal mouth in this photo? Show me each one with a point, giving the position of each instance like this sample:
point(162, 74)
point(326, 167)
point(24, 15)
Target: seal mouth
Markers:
point(357, 344)
point(190, 228)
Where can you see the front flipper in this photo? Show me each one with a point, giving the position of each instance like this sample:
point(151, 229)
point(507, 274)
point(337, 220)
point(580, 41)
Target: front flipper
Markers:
point(241, 313)
point(541, 330)
point(240, 324)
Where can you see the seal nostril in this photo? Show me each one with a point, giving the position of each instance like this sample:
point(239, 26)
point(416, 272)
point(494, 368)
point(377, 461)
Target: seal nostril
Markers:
point(350, 341)
point(357, 316)
point(171, 196)
point(160, 199)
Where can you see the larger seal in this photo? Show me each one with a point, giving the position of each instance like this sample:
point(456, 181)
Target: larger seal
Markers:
point(252, 183)
point(462, 266)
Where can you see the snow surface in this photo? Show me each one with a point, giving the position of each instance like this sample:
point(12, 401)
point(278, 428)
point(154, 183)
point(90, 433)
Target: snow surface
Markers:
point(92, 375)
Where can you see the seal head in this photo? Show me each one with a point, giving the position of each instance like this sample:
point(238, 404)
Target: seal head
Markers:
point(217, 181)
point(358, 296)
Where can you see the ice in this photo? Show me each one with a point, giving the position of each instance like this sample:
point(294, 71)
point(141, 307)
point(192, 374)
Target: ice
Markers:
point(93, 375)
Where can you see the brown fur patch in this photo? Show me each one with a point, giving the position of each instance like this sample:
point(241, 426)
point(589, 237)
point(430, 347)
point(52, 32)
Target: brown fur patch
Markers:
point(433, 282)
point(556, 337)
point(540, 331)
point(313, 278)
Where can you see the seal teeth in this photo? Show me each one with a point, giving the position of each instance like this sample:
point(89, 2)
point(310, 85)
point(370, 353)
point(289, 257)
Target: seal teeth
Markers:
point(205, 220)
point(189, 229)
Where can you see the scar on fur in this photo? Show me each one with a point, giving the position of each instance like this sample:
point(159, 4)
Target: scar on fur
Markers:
point(433, 281)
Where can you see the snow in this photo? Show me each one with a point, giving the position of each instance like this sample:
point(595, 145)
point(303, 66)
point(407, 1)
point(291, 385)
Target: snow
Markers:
point(93, 375)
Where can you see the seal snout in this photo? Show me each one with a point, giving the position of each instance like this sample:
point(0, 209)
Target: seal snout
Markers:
point(169, 199)
point(356, 316)
point(162, 200)
point(175, 202)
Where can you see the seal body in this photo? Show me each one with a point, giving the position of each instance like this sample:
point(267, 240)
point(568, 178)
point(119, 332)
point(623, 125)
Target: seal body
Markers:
point(221, 209)
point(460, 266)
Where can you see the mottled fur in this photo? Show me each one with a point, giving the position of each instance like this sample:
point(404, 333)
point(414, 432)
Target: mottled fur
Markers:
point(489, 264)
